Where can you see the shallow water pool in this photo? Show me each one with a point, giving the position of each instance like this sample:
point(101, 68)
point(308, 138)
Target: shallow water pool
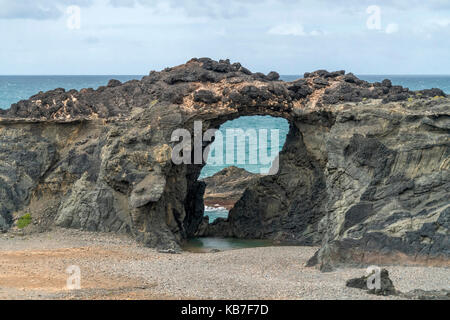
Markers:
point(209, 243)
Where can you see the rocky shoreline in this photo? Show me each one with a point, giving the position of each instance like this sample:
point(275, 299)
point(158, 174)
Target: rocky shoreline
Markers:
point(364, 173)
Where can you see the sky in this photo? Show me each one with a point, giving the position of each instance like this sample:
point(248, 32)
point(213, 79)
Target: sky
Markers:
point(289, 36)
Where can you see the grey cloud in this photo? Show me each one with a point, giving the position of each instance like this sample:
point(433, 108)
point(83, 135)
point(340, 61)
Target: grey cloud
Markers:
point(37, 9)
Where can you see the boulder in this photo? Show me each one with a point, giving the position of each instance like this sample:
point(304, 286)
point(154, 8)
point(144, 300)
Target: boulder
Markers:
point(226, 187)
point(386, 286)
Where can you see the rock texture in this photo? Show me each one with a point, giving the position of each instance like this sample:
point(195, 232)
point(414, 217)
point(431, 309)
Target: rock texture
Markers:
point(364, 170)
point(386, 287)
point(226, 187)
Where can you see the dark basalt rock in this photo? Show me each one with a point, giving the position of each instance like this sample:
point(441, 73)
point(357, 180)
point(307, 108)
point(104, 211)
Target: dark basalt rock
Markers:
point(205, 96)
point(114, 83)
point(434, 92)
point(364, 172)
point(273, 76)
point(300, 89)
point(386, 285)
point(387, 288)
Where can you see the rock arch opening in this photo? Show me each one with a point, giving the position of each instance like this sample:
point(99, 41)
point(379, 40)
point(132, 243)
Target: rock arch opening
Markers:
point(285, 205)
point(243, 151)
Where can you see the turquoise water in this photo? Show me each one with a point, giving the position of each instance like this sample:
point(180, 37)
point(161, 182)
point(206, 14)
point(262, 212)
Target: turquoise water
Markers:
point(255, 122)
point(216, 212)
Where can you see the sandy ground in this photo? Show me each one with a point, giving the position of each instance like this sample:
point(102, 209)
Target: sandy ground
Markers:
point(116, 267)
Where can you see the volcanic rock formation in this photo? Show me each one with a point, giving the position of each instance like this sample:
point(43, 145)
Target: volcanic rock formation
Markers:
point(226, 187)
point(364, 171)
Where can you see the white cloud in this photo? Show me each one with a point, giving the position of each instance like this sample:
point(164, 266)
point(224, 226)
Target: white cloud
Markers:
point(443, 23)
point(295, 29)
point(317, 33)
point(392, 28)
point(288, 30)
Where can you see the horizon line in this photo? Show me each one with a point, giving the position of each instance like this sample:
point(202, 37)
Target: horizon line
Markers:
point(281, 75)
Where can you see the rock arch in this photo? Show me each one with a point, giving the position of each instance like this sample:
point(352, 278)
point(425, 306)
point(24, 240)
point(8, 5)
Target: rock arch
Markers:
point(365, 171)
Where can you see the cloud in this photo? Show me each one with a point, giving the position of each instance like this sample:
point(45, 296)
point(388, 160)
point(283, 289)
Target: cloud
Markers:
point(396, 4)
point(295, 29)
point(432, 26)
point(53, 9)
point(196, 8)
point(288, 30)
point(37, 9)
point(122, 3)
point(317, 33)
point(443, 23)
point(392, 28)
point(91, 40)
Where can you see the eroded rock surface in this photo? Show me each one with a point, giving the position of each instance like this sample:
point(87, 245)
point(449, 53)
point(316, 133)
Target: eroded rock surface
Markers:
point(226, 187)
point(364, 171)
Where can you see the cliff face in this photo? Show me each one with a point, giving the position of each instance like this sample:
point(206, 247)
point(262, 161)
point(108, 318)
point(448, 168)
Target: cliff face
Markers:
point(364, 170)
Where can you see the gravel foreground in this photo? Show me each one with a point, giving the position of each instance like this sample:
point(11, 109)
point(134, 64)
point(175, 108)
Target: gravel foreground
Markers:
point(116, 267)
